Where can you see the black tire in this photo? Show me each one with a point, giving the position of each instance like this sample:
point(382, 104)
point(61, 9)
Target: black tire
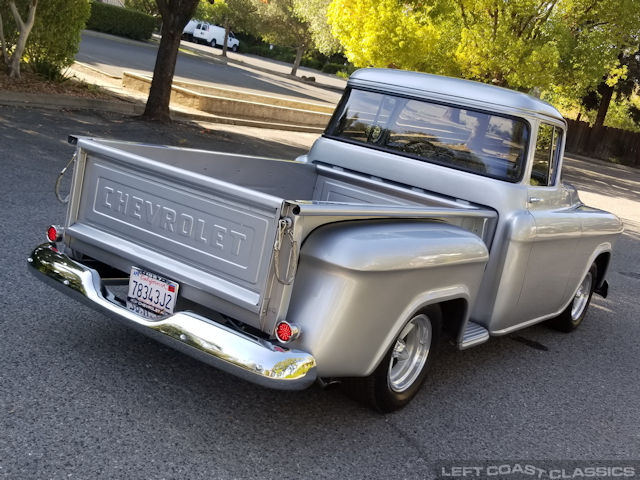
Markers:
point(574, 314)
point(213, 43)
point(234, 48)
point(381, 390)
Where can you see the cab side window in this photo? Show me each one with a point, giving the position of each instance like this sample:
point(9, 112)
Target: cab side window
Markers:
point(546, 155)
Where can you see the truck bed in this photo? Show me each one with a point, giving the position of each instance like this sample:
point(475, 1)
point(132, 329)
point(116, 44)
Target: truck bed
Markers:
point(210, 220)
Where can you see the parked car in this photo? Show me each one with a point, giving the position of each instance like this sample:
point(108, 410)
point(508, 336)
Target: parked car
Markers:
point(187, 33)
point(213, 35)
point(430, 207)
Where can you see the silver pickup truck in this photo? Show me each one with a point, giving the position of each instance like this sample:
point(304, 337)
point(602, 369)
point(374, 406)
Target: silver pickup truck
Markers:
point(430, 206)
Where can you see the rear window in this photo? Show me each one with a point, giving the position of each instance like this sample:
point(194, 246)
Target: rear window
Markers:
point(468, 140)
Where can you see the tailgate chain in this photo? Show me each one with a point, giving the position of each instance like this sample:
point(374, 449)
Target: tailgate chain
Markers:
point(61, 199)
point(284, 228)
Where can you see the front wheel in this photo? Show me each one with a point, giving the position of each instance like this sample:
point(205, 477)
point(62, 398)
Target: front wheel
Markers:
point(234, 48)
point(403, 369)
point(574, 314)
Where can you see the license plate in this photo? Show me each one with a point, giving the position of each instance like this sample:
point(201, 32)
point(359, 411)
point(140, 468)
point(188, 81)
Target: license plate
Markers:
point(152, 291)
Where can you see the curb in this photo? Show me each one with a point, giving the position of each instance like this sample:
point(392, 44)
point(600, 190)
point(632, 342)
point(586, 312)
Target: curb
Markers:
point(63, 102)
point(97, 70)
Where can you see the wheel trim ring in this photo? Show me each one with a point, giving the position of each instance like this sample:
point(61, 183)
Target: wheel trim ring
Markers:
point(581, 298)
point(413, 344)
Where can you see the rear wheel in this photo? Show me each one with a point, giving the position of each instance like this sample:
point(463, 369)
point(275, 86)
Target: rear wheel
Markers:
point(213, 43)
point(574, 314)
point(404, 367)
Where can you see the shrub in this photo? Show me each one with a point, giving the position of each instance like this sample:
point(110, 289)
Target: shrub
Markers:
point(54, 40)
point(120, 21)
point(332, 67)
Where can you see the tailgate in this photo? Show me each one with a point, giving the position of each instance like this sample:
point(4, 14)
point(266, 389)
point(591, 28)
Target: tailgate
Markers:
point(213, 237)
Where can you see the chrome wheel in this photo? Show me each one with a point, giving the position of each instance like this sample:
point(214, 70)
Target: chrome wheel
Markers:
point(581, 300)
point(409, 353)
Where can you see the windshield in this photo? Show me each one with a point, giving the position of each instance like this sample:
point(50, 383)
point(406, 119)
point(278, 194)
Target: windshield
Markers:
point(478, 142)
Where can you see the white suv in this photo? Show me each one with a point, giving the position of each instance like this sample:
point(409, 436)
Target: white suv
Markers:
point(214, 35)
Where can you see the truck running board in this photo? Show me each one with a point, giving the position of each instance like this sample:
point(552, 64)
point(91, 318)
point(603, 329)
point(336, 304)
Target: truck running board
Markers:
point(474, 334)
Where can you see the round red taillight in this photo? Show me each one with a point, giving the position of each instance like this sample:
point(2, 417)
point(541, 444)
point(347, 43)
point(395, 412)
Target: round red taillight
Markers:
point(52, 234)
point(283, 332)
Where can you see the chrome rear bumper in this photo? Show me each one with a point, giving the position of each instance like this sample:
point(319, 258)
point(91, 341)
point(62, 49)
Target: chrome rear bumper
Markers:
point(254, 359)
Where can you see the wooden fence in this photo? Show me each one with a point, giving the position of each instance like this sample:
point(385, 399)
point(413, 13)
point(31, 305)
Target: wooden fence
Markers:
point(604, 143)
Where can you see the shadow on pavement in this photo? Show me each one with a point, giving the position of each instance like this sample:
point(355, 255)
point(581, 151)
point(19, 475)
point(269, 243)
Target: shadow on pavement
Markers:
point(42, 133)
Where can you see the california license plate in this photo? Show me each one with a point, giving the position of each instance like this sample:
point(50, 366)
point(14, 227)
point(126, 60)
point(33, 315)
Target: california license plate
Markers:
point(152, 291)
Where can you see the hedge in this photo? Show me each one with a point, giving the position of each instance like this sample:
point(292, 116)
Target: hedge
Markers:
point(120, 21)
point(53, 42)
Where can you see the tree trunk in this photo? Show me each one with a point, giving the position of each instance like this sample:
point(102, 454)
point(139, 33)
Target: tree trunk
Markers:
point(3, 44)
point(299, 52)
point(603, 108)
point(25, 30)
point(175, 14)
point(226, 36)
point(157, 107)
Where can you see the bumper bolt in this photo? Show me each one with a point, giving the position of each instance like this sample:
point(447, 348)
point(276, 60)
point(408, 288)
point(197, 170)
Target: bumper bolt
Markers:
point(66, 282)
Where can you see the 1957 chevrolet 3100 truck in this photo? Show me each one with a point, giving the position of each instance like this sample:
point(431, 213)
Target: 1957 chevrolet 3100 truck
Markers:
point(429, 205)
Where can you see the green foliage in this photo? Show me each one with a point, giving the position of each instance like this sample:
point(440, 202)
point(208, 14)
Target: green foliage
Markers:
point(562, 45)
point(239, 15)
point(150, 7)
point(621, 115)
point(54, 40)
point(121, 21)
point(314, 14)
point(383, 33)
point(280, 25)
point(332, 67)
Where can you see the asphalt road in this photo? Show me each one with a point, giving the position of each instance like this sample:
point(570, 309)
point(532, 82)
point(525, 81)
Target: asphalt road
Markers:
point(114, 55)
point(83, 397)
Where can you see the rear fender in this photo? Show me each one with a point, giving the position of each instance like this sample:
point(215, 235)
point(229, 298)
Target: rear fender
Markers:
point(359, 282)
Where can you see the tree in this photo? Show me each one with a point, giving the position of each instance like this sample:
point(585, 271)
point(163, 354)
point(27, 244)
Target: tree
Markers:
point(175, 15)
point(24, 29)
point(621, 81)
point(314, 13)
point(282, 25)
point(55, 38)
point(231, 14)
point(522, 44)
point(3, 43)
point(391, 33)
